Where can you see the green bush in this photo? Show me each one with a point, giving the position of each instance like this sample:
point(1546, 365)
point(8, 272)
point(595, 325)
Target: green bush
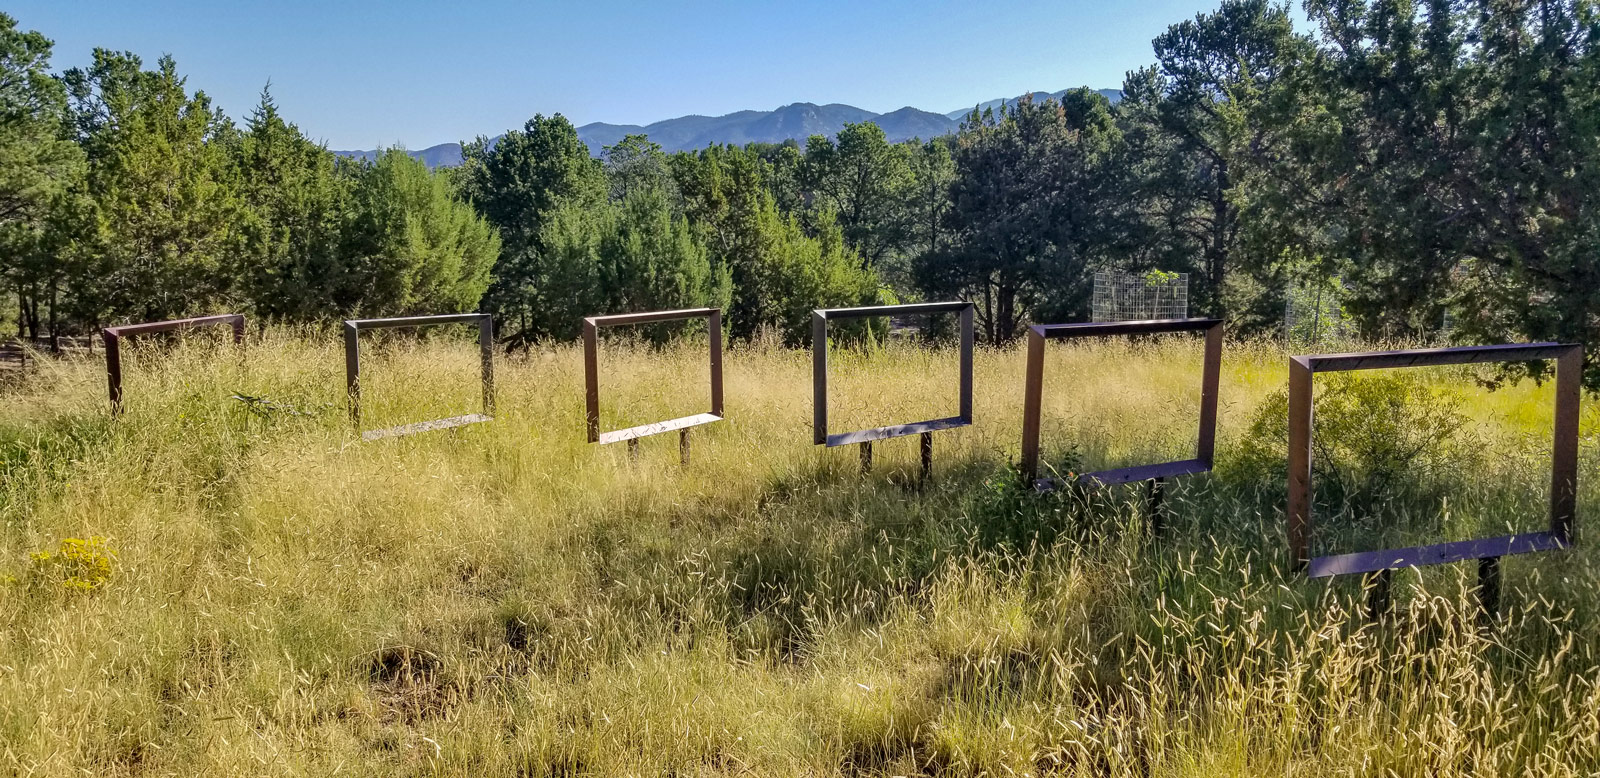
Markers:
point(1375, 439)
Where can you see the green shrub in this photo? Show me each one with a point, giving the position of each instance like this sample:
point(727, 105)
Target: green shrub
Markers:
point(1375, 438)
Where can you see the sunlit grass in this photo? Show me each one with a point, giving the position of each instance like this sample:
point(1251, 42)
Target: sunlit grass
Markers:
point(505, 599)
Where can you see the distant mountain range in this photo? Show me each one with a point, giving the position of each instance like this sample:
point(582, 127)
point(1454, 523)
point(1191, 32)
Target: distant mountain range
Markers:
point(796, 121)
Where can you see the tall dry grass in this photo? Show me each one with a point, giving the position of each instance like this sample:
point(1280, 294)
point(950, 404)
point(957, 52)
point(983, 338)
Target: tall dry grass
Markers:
point(505, 599)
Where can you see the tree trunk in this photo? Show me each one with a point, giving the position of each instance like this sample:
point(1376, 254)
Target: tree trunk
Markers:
point(55, 331)
point(1219, 237)
point(1007, 315)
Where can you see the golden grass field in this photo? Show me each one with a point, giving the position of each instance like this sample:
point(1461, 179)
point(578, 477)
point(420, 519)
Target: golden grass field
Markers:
point(271, 596)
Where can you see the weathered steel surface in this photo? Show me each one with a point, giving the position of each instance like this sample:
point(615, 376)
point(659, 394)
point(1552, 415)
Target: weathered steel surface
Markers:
point(1033, 396)
point(112, 336)
point(352, 370)
point(1438, 554)
point(819, 373)
point(1097, 329)
point(1299, 512)
point(1564, 445)
point(1563, 460)
point(1434, 357)
point(909, 309)
point(426, 426)
point(591, 377)
point(896, 431)
point(1128, 475)
point(656, 428)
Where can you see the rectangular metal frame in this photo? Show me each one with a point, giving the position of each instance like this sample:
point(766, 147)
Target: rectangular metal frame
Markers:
point(819, 373)
point(591, 372)
point(112, 336)
point(1563, 459)
point(352, 368)
point(1033, 397)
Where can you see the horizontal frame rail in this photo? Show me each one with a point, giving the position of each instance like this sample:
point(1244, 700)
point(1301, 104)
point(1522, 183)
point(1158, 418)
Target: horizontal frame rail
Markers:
point(1437, 554)
point(908, 309)
point(418, 321)
point(1098, 329)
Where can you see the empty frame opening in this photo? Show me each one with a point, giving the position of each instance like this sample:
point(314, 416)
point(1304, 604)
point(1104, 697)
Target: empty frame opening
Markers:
point(1426, 455)
point(660, 376)
point(1120, 401)
point(1412, 417)
point(907, 370)
point(652, 372)
point(826, 322)
point(414, 375)
point(410, 375)
point(170, 356)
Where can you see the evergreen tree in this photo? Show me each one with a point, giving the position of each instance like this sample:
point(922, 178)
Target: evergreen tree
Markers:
point(168, 212)
point(867, 184)
point(411, 247)
point(1205, 99)
point(293, 264)
point(1025, 215)
point(517, 183)
point(41, 174)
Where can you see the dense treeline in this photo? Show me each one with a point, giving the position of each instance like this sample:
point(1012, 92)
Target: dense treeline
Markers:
point(1419, 161)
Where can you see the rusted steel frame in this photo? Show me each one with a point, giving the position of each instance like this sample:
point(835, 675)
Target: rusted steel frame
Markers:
point(907, 309)
point(591, 378)
point(1436, 554)
point(112, 337)
point(1563, 460)
point(1435, 357)
point(352, 369)
point(1033, 397)
point(819, 373)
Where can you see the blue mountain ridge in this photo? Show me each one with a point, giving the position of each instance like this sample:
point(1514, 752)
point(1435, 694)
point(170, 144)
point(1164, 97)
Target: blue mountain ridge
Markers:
point(796, 121)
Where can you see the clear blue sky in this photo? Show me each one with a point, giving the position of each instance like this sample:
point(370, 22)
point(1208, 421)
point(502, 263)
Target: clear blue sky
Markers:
point(359, 74)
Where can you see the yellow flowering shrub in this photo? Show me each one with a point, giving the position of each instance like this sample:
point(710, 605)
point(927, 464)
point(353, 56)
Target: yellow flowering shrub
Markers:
point(78, 565)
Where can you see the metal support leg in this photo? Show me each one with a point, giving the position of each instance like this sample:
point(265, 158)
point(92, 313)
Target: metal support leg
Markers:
point(866, 457)
point(927, 456)
point(633, 449)
point(1156, 502)
point(1379, 597)
point(1488, 591)
point(683, 446)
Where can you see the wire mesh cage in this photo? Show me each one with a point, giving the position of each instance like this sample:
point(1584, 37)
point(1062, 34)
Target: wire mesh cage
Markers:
point(1314, 312)
point(1120, 296)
